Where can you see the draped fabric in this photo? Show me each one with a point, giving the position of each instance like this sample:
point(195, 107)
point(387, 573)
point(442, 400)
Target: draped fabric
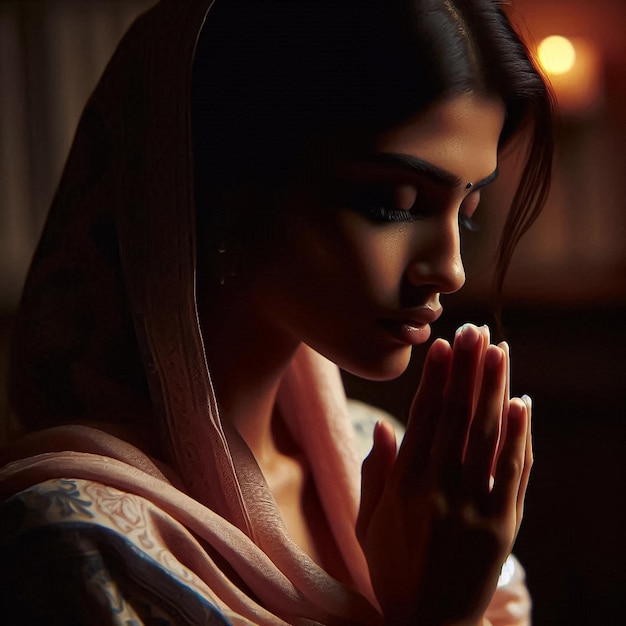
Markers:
point(161, 512)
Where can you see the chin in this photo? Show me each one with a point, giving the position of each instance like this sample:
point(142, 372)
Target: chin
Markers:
point(379, 367)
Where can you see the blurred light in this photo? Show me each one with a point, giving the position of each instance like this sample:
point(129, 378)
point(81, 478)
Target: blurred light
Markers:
point(573, 66)
point(557, 55)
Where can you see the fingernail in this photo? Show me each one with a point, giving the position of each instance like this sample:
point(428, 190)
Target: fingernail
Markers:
point(494, 357)
point(377, 432)
point(515, 409)
point(528, 402)
point(467, 337)
point(485, 330)
point(439, 350)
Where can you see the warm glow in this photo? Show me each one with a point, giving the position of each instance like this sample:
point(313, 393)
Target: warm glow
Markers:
point(573, 67)
point(557, 55)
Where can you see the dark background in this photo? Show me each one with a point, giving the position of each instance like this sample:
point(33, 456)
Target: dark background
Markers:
point(565, 298)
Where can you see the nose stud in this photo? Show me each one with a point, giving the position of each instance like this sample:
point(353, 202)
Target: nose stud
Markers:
point(469, 185)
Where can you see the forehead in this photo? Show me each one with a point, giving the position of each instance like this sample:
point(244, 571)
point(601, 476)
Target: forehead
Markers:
point(459, 135)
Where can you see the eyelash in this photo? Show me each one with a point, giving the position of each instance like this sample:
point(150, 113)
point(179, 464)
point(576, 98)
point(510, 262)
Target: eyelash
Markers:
point(468, 223)
point(382, 214)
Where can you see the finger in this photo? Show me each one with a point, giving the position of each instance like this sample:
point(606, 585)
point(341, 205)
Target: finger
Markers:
point(425, 410)
point(374, 472)
point(504, 346)
point(485, 340)
point(528, 462)
point(510, 467)
point(485, 429)
point(458, 403)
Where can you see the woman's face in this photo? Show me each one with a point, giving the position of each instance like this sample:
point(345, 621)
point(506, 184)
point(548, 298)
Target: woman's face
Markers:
point(364, 251)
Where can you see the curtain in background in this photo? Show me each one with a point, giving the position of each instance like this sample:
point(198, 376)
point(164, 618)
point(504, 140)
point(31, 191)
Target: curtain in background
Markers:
point(52, 53)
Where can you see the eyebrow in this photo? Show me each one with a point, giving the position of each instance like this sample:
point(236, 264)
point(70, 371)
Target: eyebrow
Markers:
point(417, 165)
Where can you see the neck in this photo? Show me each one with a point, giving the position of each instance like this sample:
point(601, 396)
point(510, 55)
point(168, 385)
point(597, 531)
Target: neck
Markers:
point(247, 358)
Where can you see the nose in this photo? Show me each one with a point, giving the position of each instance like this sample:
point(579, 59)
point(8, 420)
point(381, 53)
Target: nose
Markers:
point(436, 261)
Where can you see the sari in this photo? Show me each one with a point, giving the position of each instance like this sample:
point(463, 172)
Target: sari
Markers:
point(130, 501)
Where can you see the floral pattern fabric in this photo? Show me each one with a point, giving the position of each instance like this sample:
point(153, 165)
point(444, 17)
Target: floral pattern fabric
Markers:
point(97, 555)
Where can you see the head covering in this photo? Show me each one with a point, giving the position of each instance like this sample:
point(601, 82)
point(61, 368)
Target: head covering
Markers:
point(108, 330)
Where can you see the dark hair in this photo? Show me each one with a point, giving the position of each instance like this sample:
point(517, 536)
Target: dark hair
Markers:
point(269, 75)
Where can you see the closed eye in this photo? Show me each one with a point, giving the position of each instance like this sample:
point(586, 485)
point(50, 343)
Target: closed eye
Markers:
point(381, 202)
point(468, 223)
point(467, 210)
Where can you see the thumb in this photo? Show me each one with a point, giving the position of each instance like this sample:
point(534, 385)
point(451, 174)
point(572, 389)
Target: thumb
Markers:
point(374, 472)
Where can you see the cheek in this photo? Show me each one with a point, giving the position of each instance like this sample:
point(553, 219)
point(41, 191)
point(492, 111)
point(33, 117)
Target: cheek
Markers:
point(343, 259)
point(377, 254)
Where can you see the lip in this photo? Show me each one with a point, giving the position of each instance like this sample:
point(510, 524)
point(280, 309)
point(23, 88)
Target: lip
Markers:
point(412, 327)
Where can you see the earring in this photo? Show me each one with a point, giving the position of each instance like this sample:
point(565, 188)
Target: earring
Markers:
point(227, 261)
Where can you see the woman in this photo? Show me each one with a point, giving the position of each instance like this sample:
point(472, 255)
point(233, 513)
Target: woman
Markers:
point(258, 191)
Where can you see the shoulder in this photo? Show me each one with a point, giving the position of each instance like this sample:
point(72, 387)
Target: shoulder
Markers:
point(72, 550)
